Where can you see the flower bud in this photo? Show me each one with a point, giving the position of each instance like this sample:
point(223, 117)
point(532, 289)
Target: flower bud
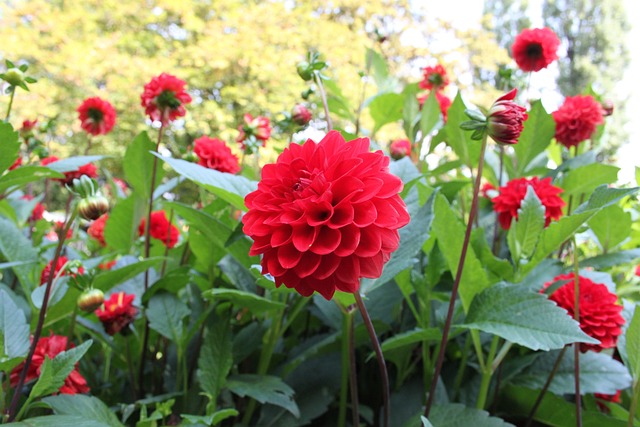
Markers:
point(191, 157)
point(13, 76)
point(90, 300)
point(305, 70)
point(400, 148)
point(505, 120)
point(93, 207)
point(300, 114)
point(607, 108)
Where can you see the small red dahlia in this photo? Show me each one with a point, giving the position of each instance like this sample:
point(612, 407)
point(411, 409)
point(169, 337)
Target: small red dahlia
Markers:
point(96, 229)
point(507, 203)
point(254, 131)
point(534, 49)
point(118, 312)
point(46, 271)
point(97, 116)
point(325, 215)
point(164, 98)
point(434, 78)
point(89, 169)
point(161, 229)
point(600, 316)
point(400, 148)
point(213, 153)
point(577, 119)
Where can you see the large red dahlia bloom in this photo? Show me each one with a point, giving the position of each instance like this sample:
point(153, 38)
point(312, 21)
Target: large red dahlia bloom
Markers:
point(505, 120)
point(325, 215)
point(97, 116)
point(89, 169)
point(46, 271)
point(214, 154)
point(434, 78)
point(577, 119)
point(50, 347)
point(164, 98)
point(534, 49)
point(600, 316)
point(507, 203)
point(161, 229)
point(96, 229)
point(118, 312)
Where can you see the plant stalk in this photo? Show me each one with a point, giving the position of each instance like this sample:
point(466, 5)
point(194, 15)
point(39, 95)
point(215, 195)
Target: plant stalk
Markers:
point(13, 93)
point(323, 95)
point(547, 383)
point(576, 346)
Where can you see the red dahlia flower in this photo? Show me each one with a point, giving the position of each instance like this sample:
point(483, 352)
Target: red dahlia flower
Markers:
point(325, 215)
point(534, 49)
point(400, 148)
point(89, 169)
point(96, 229)
point(118, 312)
point(46, 271)
point(505, 119)
point(258, 128)
point(434, 78)
point(50, 347)
point(213, 153)
point(300, 114)
point(577, 119)
point(507, 203)
point(161, 229)
point(600, 316)
point(97, 116)
point(38, 209)
point(443, 101)
point(164, 98)
point(637, 270)
point(28, 125)
point(488, 190)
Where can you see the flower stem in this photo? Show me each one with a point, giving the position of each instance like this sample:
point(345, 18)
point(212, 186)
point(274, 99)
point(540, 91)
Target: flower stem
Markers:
point(486, 374)
point(13, 93)
point(576, 346)
point(456, 284)
point(634, 403)
point(41, 317)
point(323, 95)
point(379, 356)
point(552, 374)
point(349, 380)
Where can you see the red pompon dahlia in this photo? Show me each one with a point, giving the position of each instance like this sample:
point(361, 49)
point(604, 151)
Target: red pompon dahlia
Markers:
point(118, 312)
point(97, 116)
point(161, 229)
point(258, 128)
point(600, 316)
point(38, 209)
point(96, 229)
point(443, 101)
point(300, 114)
point(213, 153)
point(400, 148)
point(46, 271)
point(505, 119)
point(507, 203)
point(534, 49)
point(89, 169)
point(577, 119)
point(434, 78)
point(50, 347)
point(325, 215)
point(164, 98)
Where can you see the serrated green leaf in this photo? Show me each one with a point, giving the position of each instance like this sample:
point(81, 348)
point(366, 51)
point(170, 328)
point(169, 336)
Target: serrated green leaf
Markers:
point(600, 262)
point(73, 163)
point(166, 313)
point(524, 317)
point(89, 407)
point(216, 359)
point(15, 247)
point(9, 146)
point(254, 303)
point(633, 344)
point(138, 165)
point(108, 279)
point(612, 225)
point(604, 196)
point(386, 108)
point(539, 129)
point(585, 179)
point(525, 231)
point(460, 140)
point(264, 389)
point(54, 372)
point(457, 415)
point(14, 333)
point(26, 174)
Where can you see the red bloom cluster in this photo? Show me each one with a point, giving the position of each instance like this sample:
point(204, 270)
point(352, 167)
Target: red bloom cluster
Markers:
point(97, 116)
point(164, 98)
point(50, 347)
point(213, 153)
point(300, 114)
point(46, 271)
point(443, 101)
point(161, 229)
point(118, 312)
point(258, 128)
point(600, 316)
point(400, 148)
point(325, 215)
point(96, 229)
point(89, 169)
point(434, 78)
point(534, 49)
point(38, 209)
point(507, 203)
point(505, 120)
point(577, 119)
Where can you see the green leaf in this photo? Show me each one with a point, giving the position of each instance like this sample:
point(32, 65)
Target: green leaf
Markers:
point(209, 420)
point(410, 110)
point(54, 372)
point(524, 317)
point(386, 108)
point(254, 303)
point(584, 179)
point(405, 170)
point(121, 229)
point(14, 333)
point(9, 146)
point(59, 421)
point(457, 415)
point(524, 233)
point(138, 165)
point(612, 225)
point(232, 188)
point(604, 196)
point(633, 344)
point(89, 407)
point(425, 422)
point(430, 114)
point(459, 140)
point(601, 262)
point(216, 359)
point(26, 174)
point(379, 67)
point(15, 247)
point(108, 279)
point(539, 129)
point(165, 313)
point(264, 389)
point(73, 163)
point(411, 337)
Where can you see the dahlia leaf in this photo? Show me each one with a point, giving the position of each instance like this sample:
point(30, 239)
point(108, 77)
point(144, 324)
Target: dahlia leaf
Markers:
point(525, 231)
point(216, 359)
point(121, 228)
point(72, 163)
point(410, 111)
point(26, 174)
point(524, 317)
point(633, 343)
point(425, 422)
point(603, 261)
point(456, 414)
point(429, 114)
point(458, 139)
point(106, 280)
point(138, 165)
point(14, 333)
point(9, 146)
point(379, 67)
point(89, 407)
point(264, 389)
point(55, 371)
point(405, 170)
point(612, 225)
point(386, 108)
point(604, 196)
point(166, 313)
point(254, 303)
point(15, 247)
point(599, 373)
point(59, 421)
point(411, 337)
point(584, 179)
point(538, 130)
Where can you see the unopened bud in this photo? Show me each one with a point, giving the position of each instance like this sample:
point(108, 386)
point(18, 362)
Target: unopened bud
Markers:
point(13, 76)
point(191, 157)
point(90, 300)
point(607, 107)
point(305, 70)
point(93, 207)
point(300, 114)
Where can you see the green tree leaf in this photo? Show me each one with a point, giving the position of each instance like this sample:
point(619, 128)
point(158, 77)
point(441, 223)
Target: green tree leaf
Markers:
point(138, 165)
point(252, 302)
point(14, 333)
point(410, 111)
point(89, 407)
point(612, 225)
point(524, 233)
point(539, 129)
point(54, 372)
point(166, 313)
point(9, 146)
point(15, 247)
point(216, 359)
point(264, 389)
point(386, 108)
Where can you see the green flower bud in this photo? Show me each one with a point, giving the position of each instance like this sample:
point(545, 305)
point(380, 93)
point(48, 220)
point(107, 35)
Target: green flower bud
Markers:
point(90, 300)
point(93, 207)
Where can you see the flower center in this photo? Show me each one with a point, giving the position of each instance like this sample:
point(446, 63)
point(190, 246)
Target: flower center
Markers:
point(167, 99)
point(436, 79)
point(534, 50)
point(95, 115)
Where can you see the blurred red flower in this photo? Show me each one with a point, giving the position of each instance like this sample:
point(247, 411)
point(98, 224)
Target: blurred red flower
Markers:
point(443, 101)
point(38, 209)
point(505, 120)
point(96, 229)
point(89, 169)
point(118, 312)
point(577, 119)
point(300, 114)
point(46, 271)
point(258, 128)
point(97, 116)
point(534, 49)
point(434, 78)
point(213, 153)
point(400, 148)
point(164, 98)
point(16, 164)
point(161, 229)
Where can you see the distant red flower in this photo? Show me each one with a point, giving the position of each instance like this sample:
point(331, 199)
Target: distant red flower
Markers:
point(600, 316)
point(258, 128)
point(507, 203)
point(16, 164)
point(97, 116)
point(213, 153)
point(300, 114)
point(434, 78)
point(161, 229)
point(637, 270)
point(400, 148)
point(46, 271)
point(443, 101)
point(164, 98)
point(325, 215)
point(118, 312)
point(38, 209)
point(505, 120)
point(577, 119)
point(57, 228)
point(488, 190)
point(613, 398)
point(107, 265)
point(534, 49)
point(28, 125)
point(89, 169)
point(96, 229)
point(50, 347)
